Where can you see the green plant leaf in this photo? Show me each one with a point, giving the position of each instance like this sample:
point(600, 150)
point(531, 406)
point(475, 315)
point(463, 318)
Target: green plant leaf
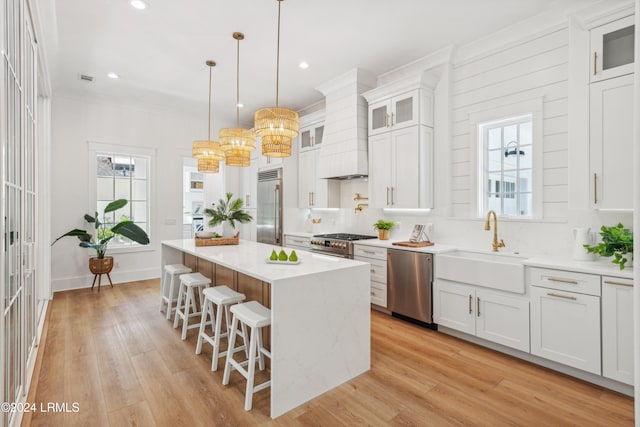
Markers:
point(80, 234)
point(131, 231)
point(89, 218)
point(115, 205)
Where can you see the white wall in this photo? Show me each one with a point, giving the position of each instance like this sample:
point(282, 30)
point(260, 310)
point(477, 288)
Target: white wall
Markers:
point(77, 120)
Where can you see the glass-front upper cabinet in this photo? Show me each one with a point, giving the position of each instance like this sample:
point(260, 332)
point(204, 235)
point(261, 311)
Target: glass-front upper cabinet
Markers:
point(311, 136)
point(394, 113)
point(612, 47)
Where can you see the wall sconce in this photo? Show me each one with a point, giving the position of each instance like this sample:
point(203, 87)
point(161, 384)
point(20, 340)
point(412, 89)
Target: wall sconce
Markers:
point(513, 151)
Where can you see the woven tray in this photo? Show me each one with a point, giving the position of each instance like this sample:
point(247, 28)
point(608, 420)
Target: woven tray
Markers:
point(218, 241)
point(413, 244)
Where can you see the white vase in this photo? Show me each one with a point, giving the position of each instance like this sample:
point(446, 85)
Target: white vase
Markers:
point(228, 230)
point(629, 257)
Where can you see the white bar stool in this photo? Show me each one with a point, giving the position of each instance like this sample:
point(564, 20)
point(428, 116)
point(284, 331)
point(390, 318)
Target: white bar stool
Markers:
point(222, 297)
point(256, 316)
point(170, 273)
point(189, 309)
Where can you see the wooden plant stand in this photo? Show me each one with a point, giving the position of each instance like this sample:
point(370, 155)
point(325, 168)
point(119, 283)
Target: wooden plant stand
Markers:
point(100, 266)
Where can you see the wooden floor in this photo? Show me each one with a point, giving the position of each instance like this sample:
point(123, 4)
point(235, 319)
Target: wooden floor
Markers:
point(116, 356)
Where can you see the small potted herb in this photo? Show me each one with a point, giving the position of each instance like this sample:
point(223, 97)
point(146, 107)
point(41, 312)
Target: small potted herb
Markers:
point(383, 228)
point(617, 242)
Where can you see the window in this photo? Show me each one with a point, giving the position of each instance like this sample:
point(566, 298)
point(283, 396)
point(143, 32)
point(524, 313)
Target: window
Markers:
point(506, 166)
point(122, 176)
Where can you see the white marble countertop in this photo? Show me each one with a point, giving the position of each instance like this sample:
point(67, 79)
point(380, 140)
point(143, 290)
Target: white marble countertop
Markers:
point(298, 234)
point(250, 257)
point(435, 249)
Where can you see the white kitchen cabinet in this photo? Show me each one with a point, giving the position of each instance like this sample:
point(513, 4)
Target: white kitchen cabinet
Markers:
point(249, 176)
point(612, 49)
point(493, 316)
point(617, 329)
point(611, 143)
point(377, 259)
point(403, 110)
point(401, 168)
point(311, 136)
point(565, 325)
point(297, 242)
point(314, 192)
point(249, 231)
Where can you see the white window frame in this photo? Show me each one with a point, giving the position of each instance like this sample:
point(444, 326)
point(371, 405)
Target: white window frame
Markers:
point(96, 148)
point(531, 107)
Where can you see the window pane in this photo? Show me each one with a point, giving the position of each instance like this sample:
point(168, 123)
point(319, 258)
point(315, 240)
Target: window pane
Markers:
point(105, 167)
point(139, 169)
point(122, 190)
point(526, 204)
point(510, 133)
point(495, 138)
point(105, 189)
point(139, 190)
point(511, 161)
point(526, 160)
point(139, 210)
point(525, 133)
point(525, 182)
point(494, 160)
point(510, 204)
point(494, 204)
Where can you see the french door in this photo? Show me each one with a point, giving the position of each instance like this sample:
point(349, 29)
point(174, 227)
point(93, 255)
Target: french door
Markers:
point(18, 296)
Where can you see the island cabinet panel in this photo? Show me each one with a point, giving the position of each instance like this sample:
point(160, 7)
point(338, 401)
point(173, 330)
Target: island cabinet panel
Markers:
point(190, 261)
point(224, 276)
point(206, 268)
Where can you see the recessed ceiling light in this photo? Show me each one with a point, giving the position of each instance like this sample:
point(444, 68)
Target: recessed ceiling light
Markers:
point(240, 105)
point(138, 4)
point(304, 65)
point(113, 76)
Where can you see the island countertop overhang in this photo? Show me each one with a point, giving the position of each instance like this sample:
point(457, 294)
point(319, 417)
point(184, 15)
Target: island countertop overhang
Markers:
point(250, 258)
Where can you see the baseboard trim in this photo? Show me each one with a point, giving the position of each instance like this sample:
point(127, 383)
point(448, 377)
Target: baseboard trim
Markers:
point(82, 282)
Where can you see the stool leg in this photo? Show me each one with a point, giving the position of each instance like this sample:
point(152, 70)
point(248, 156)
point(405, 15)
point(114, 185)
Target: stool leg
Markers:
point(170, 297)
point(248, 400)
point(203, 323)
point(187, 312)
point(232, 343)
point(259, 349)
point(163, 285)
point(178, 304)
point(245, 337)
point(216, 339)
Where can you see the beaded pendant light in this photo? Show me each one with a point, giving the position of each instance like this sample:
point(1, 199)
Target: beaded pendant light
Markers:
point(208, 152)
point(277, 126)
point(237, 143)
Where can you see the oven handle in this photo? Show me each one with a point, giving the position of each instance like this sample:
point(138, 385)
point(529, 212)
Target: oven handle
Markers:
point(333, 254)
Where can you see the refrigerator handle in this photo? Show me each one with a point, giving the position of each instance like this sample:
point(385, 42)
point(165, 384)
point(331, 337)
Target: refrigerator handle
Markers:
point(276, 200)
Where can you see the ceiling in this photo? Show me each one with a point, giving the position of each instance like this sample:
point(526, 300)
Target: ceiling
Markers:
point(160, 52)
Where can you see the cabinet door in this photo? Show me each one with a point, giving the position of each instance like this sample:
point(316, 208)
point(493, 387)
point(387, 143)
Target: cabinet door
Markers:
point(617, 329)
point(305, 138)
point(612, 49)
point(318, 135)
point(611, 143)
point(565, 327)
point(453, 306)
point(404, 110)
point(379, 117)
point(380, 170)
point(503, 319)
point(405, 168)
point(248, 231)
point(306, 178)
point(250, 185)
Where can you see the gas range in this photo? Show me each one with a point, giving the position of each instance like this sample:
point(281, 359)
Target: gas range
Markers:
point(336, 244)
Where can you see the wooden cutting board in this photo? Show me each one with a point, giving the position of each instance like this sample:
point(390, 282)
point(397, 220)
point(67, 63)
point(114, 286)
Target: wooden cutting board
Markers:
point(413, 244)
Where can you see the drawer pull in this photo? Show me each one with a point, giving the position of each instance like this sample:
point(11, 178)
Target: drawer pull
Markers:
point(611, 282)
point(555, 279)
point(478, 303)
point(368, 252)
point(373, 270)
point(470, 302)
point(551, 294)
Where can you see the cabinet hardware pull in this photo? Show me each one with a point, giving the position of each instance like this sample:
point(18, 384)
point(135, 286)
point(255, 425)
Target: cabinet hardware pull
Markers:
point(595, 59)
point(393, 196)
point(555, 279)
point(595, 189)
point(368, 252)
point(470, 300)
point(373, 294)
point(373, 270)
point(611, 282)
point(551, 294)
point(478, 305)
point(388, 125)
point(387, 196)
point(312, 142)
point(392, 119)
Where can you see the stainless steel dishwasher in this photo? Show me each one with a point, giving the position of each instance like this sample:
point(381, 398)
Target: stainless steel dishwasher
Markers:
point(409, 284)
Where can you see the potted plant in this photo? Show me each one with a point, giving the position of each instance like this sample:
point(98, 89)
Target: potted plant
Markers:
point(227, 212)
point(383, 228)
point(103, 233)
point(617, 241)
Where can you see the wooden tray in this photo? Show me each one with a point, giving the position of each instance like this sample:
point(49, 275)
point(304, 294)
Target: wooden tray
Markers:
point(413, 244)
point(217, 241)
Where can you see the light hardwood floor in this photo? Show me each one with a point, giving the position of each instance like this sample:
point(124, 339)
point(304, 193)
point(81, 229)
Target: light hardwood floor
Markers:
point(116, 355)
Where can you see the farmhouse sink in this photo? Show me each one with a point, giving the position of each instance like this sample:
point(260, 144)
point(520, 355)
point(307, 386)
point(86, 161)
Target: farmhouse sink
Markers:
point(500, 271)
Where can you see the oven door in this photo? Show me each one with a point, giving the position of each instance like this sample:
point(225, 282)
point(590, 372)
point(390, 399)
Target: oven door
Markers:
point(322, 251)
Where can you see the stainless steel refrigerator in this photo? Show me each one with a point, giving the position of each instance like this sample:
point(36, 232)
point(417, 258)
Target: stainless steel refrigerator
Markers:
point(269, 224)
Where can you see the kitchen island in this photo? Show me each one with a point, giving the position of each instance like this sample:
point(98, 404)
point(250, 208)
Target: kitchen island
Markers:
point(320, 313)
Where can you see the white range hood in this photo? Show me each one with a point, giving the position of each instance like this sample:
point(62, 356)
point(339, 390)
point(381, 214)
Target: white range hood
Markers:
point(343, 153)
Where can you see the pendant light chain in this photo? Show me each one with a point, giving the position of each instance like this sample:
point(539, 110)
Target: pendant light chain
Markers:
point(278, 56)
point(238, 85)
point(209, 117)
